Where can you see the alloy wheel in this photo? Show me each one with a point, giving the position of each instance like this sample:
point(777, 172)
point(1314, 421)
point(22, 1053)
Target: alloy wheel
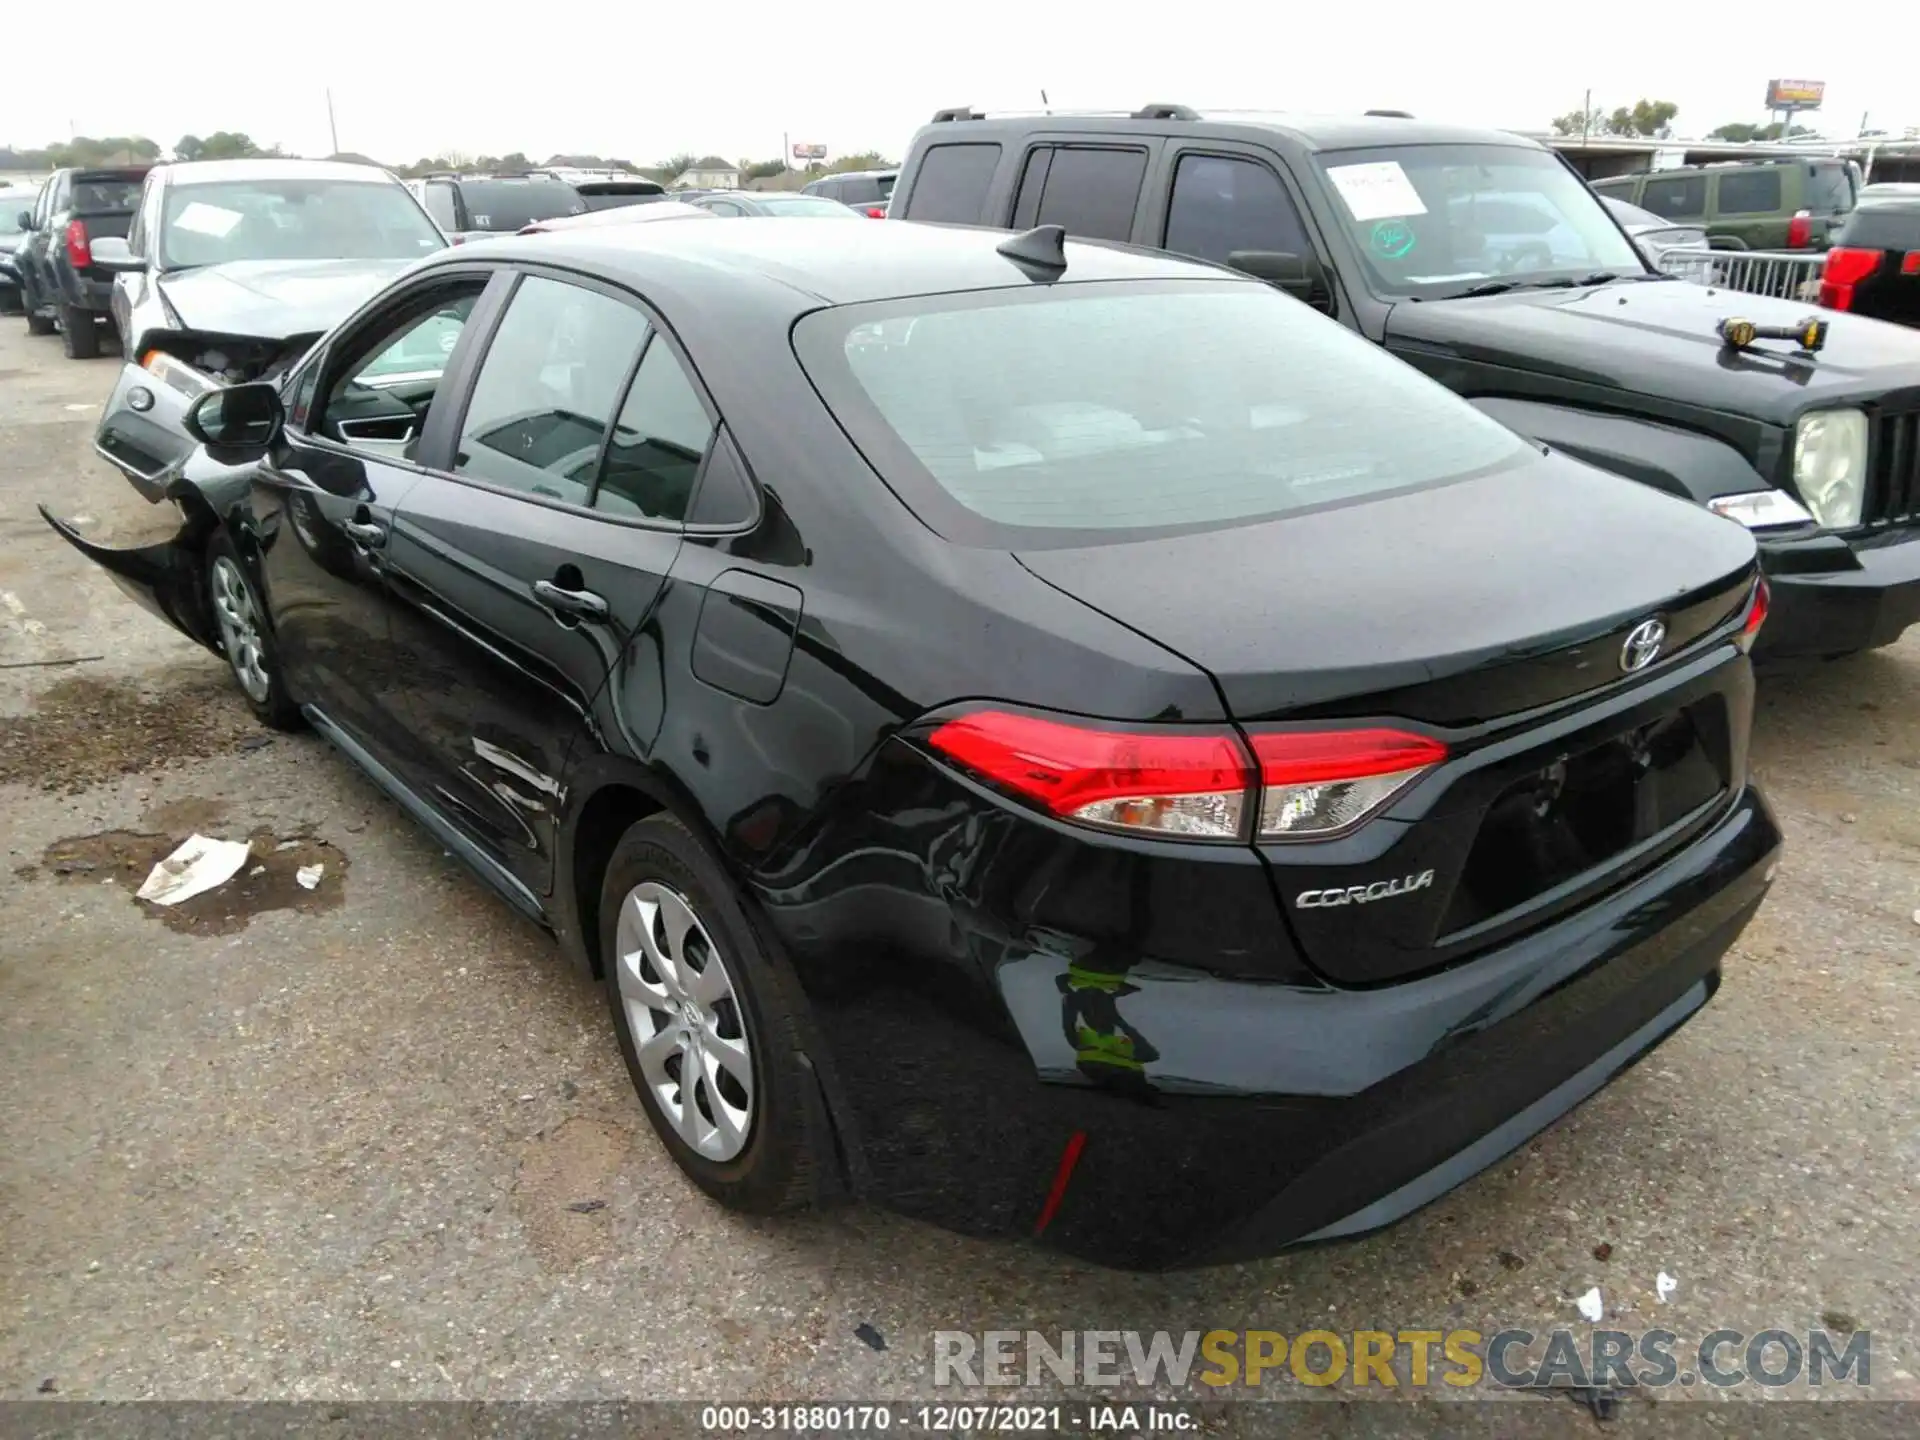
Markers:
point(687, 1022)
point(239, 622)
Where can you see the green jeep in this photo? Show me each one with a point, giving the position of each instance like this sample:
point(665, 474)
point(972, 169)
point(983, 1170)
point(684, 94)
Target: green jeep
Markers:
point(1781, 204)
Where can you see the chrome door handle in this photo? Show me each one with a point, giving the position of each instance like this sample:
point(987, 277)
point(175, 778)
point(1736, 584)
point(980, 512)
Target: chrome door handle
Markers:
point(574, 604)
point(363, 532)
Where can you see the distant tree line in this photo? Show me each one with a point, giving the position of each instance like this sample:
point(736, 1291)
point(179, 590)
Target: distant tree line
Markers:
point(1653, 119)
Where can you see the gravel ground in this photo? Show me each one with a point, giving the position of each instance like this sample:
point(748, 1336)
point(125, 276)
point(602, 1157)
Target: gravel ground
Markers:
point(371, 1141)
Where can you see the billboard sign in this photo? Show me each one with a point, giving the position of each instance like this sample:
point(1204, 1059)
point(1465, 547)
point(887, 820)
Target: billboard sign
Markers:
point(809, 152)
point(1795, 94)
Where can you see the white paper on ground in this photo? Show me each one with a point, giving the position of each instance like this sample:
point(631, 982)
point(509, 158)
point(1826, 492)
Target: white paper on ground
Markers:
point(1591, 1306)
point(199, 865)
point(1663, 1286)
point(309, 875)
point(1376, 191)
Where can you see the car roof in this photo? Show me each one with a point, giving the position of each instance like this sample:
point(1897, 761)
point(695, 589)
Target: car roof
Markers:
point(799, 260)
point(1306, 130)
point(212, 172)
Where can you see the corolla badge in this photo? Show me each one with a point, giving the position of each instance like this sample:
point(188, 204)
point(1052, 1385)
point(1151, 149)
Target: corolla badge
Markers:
point(1362, 894)
point(1642, 645)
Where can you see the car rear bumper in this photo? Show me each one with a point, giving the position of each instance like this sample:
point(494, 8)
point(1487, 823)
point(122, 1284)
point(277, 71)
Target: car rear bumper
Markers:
point(1235, 1118)
point(1834, 596)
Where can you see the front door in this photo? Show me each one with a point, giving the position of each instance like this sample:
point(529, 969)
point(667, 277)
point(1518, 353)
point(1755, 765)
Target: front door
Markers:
point(324, 506)
point(526, 563)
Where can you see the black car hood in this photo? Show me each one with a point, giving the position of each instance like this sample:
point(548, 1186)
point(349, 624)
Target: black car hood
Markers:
point(1658, 338)
point(1421, 596)
point(273, 299)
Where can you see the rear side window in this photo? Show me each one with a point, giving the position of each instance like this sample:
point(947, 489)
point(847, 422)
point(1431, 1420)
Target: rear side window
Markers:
point(952, 184)
point(1830, 189)
point(658, 442)
point(1099, 408)
point(1750, 192)
point(1675, 197)
point(548, 389)
point(1222, 204)
point(1091, 192)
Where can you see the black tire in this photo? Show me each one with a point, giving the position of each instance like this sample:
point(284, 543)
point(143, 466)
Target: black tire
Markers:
point(79, 333)
point(266, 692)
point(38, 324)
point(10, 303)
point(788, 1147)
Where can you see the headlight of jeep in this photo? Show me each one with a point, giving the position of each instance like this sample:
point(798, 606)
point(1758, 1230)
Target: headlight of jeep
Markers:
point(1830, 465)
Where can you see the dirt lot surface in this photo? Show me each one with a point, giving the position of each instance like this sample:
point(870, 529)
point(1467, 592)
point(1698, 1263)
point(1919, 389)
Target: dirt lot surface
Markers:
point(371, 1141)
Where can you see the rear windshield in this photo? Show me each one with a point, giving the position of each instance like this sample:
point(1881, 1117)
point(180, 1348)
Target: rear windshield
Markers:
point(506, 205)
point(102, 195)
point(1830, 189)
point(293, 219)
point(609, 199)
point(1153, 406)
point(1433, 219)
point(1882, 225)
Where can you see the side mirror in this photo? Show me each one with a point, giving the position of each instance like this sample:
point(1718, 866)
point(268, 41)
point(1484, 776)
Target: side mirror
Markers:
point(110, 252)
point(25, 219)
point(241, 417)
point(1299, 275)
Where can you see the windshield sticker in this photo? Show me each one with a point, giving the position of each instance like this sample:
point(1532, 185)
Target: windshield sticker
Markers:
point(1392, 239)
point(204, 219)
point(1379, 191)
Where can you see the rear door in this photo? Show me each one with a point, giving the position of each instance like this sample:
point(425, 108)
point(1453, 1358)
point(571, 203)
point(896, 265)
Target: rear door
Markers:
point(1095, 191)
point(527, 561)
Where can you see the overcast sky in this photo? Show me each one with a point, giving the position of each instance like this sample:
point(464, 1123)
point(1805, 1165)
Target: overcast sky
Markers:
point(644, 82)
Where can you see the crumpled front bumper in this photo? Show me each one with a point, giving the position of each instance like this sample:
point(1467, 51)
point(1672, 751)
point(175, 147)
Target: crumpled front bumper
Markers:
point(1834, 595)
point(147, 445)
point(164, 579)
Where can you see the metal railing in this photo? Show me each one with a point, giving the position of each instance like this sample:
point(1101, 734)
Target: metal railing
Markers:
point(1782, 274)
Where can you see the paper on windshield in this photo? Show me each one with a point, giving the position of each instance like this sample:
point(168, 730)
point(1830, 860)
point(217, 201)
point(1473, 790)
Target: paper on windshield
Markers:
point(1376, 191)
point(205, 219)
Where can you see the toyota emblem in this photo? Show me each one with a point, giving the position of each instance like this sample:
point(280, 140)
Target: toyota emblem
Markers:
point(1642, 646)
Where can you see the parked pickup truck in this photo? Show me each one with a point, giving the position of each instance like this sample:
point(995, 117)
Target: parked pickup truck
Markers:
point(61, 286)
point(1485, 260)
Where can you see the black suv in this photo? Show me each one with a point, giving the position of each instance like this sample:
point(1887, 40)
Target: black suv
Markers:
point(60, 285)
point(472, 207)
point(1485, 260)
point(867, 191)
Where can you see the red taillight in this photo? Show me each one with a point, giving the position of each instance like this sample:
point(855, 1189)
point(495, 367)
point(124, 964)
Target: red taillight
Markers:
point(79, 247)
point(1757, 606)
point(1911, 264)
point(461, 239)
point(1318, 783)
point(1191, 784)
point(1800, 232)
point(876, 212)
point(1176, 782)
point(1846, 267)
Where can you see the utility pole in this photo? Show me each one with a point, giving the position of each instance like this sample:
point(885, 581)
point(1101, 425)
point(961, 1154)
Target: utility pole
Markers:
point(1045, 104)
point(786, 152)
point(332, 129)
point(1586, 116)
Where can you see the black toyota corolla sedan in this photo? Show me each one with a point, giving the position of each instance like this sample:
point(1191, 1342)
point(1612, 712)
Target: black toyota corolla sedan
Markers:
point(1055, 738)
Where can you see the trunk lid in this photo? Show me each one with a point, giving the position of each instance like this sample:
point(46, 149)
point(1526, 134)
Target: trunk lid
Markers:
point(1481, 611)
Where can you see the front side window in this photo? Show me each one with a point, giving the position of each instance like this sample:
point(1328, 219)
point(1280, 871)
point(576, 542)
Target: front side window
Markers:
point(386, 376)
point(548, 388)
point(292, 219)
point(1750, 192)
point(1221, 204)
point(1431, 219)
point(1010, 416)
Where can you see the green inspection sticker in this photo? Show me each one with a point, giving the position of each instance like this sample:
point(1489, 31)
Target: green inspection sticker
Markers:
point(1392, 239)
